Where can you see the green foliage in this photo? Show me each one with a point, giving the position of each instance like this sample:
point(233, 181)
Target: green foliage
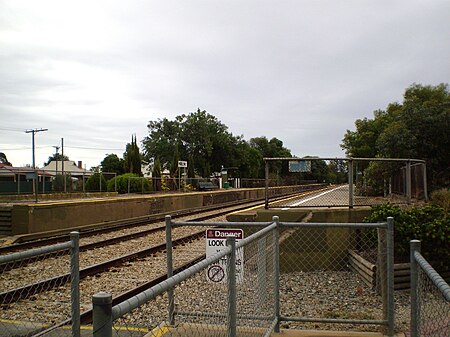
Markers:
point(112, 163)
point(4, 160)
point(417, 128)
point(137, 184)
point(56, 157)
point(132, 158)
point(58, 183)
point(441, 198)
point(93, 183)
point(430, 224)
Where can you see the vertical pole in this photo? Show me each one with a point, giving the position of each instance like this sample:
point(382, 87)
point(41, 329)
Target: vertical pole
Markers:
point(129, 185)
point(115, 182)
point(390, 275)
point(18, 183)
point(408, 182)
point(266, 191)
point(142, 185)
point(35, 182)
point(102, 315)
point(75, 282)
point(425, 188)
point(62, 165)
point(231, 283)
point(171, 307)
point(350, 183)
point(84, 189)
point(100, 177)
point(43, 183)
point(415, 303)
point(276, 266)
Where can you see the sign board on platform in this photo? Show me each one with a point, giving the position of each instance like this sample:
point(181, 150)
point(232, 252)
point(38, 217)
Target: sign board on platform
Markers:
point(216, 241)
point(300, 166)
point(182, 163)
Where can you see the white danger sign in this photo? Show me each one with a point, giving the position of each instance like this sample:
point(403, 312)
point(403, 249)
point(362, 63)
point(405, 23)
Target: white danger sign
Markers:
point(182, 163)
point(216, 241)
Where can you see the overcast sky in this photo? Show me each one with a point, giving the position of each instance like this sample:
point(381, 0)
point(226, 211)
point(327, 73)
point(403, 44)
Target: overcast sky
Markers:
point(95, 72)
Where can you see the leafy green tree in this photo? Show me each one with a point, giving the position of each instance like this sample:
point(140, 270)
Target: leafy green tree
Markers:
point(56, 157)
point(93, 183)
point(4, 160)
point(132, 157)
point(112, 163)
point(156, 174)
point(58, 183)
point(417, 128)
point(137, 184)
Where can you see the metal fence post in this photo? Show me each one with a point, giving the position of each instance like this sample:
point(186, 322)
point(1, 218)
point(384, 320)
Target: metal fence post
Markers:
point(350, 183)
point(425, 188)
point(415, 303)
point(266, 190)
point(408, 182)
point(115, 182)
point(390, 275)
point(129, 178)
point(171, 304)
point(276, 266)
point(102, 314)
point(100, 176)
point(75, 283)
point(231, 284)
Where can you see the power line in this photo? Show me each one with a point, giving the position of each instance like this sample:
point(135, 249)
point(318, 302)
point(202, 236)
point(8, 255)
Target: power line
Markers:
point(93, 148)
point(11, 129)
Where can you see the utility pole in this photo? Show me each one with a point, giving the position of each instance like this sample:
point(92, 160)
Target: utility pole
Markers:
point(62, 164)
point(56, 157)
point(35, 179)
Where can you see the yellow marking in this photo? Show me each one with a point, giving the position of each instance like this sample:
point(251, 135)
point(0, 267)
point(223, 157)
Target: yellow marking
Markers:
point(160, 331)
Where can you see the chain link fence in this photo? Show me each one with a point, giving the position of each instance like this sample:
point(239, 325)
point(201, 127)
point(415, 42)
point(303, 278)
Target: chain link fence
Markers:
point(430, 298)
point(21, 274)
point(293, 275)
point(350, 181)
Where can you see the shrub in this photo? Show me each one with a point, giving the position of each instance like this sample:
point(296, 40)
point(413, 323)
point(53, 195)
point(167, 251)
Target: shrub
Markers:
point(93, 183)
point(137, 184)
point(441, 198)
point(430, 224)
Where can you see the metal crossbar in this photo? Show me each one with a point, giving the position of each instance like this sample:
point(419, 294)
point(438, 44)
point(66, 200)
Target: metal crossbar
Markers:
point(9, 265)
point(430, 298)
point(255, 305)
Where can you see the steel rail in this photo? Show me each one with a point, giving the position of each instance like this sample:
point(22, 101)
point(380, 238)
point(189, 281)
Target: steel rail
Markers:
point(44, 285)
point(86, 316)
point(112, 226)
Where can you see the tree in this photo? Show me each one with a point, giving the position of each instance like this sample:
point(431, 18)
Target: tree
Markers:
point(56, 157)
point(112, 163)
point(417, 128)
point(197, 135)
point(93, 183)
point(4, 160)
point(132, 157)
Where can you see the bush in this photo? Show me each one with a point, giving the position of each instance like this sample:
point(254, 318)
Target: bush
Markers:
point(441, 198)
point(430, 224)
point(137, 183)
point(93, 183)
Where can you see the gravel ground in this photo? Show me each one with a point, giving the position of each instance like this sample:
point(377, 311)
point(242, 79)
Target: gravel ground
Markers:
point(303, 294)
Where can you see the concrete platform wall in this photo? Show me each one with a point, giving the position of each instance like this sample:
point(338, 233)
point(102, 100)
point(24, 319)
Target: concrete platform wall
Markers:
point(49, 216)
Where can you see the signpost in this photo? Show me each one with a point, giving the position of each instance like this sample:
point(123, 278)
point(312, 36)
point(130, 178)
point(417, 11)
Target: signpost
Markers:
point(215, 243)
point(300, 166)
point(184, 164)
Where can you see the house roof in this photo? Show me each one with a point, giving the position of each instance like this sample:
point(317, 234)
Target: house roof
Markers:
point(69, 167)
point(10, 171)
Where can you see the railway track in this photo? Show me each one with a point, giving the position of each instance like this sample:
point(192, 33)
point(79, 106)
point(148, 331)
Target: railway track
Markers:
point(105, 275)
